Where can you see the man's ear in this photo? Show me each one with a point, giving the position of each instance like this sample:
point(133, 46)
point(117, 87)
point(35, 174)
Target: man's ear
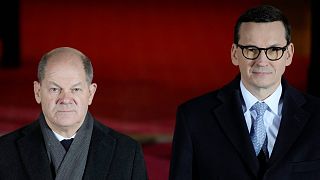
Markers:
point(36, 89)
point(290, 54)
point(234, 55)
point(92, 91)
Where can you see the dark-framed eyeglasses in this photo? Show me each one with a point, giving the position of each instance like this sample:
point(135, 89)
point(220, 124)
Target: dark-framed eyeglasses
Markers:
point(253, 52)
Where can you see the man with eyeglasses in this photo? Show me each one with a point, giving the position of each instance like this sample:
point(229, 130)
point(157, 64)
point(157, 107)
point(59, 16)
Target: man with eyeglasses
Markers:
point(257, 126)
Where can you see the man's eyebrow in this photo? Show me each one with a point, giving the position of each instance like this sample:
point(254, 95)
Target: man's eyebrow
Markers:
point(276, 45)
point(77, 84)
point(55, 84)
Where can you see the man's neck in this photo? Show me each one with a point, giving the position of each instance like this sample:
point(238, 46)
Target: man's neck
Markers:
point(261, 93)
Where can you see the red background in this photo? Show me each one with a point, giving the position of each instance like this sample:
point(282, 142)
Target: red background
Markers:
point(149, 56)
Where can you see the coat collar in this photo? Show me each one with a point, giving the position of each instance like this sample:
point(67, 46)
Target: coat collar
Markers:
point(33, 153)
point(100, 154)
point(294, 118)
point(35, 159)
point(230, 116)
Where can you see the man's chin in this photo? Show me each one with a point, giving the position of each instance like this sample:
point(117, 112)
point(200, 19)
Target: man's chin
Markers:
point(66, 117)
point(61, 114)
point(263, 85)
point(67, 122)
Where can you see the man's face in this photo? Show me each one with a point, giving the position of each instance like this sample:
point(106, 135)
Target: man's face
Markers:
point(64, 93)
point(261, 73)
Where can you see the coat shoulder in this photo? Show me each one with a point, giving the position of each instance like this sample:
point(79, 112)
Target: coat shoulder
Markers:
point(10, 138)
point(119, 137)
point(301, 98)
point(213, 98)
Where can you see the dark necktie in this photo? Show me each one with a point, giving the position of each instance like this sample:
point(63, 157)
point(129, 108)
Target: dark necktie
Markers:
point(66, 143)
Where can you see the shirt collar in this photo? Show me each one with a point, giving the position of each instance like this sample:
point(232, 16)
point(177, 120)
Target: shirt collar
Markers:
point(60, 138)
point(272, 101)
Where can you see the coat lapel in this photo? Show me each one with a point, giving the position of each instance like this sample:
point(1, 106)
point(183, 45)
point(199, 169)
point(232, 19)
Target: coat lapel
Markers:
point(33, 153)
point(231, 118)
point(293, 120)
point(100, 153)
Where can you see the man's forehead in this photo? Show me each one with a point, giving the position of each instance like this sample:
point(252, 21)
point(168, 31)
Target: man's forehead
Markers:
point(64, 55)
point(71, 84)
point(275, 25)
point(64, 69)
point(64, 61)
point(265, 31)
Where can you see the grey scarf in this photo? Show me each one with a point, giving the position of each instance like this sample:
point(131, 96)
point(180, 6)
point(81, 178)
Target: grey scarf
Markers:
point(68, 165)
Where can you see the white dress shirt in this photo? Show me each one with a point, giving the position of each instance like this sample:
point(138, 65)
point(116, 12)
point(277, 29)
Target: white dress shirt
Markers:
point(60, 138)
point(272, 116)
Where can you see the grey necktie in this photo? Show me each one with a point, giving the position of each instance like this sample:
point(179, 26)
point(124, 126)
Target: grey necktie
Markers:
point(258, 131)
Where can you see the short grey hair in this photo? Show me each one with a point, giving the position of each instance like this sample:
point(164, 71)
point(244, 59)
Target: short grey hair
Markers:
point(85, 61)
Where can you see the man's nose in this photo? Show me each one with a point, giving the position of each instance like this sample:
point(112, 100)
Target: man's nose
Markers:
point(66, 97)
point(262, 59)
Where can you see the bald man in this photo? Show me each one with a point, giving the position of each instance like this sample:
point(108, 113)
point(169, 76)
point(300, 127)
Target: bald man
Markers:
point(66, 142)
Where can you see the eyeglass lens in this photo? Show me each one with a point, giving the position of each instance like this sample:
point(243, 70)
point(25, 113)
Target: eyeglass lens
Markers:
point(272, 53)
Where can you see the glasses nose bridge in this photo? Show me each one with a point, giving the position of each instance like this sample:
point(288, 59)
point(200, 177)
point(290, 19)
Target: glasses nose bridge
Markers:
point(265, 53)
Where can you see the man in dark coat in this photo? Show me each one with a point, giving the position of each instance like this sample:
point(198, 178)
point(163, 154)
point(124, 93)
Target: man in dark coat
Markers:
point(66, 142)
point(257, 126)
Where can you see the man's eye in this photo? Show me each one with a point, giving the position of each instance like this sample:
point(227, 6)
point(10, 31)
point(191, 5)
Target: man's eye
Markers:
point(252, 49)
point(54, 90)
point(76, 90)
point(275, 49)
